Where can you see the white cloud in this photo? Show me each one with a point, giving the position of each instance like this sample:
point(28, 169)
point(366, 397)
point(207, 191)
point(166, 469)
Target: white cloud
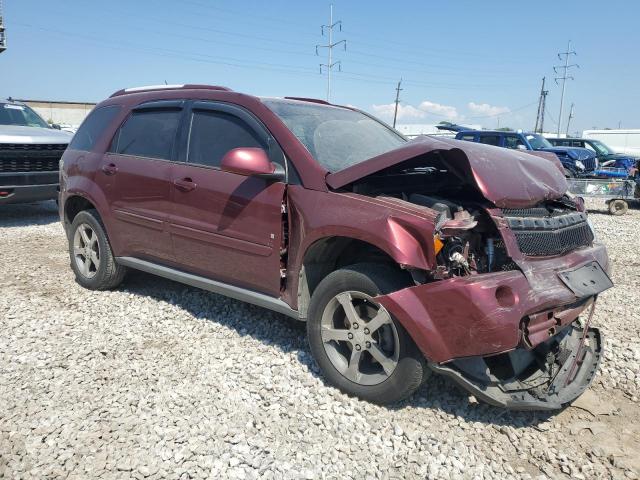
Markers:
point(410, 112)
point(438, 109)
point(405, 112)
point(484, 109)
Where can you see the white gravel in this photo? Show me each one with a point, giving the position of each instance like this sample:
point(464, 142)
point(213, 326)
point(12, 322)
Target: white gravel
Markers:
point(158, 380)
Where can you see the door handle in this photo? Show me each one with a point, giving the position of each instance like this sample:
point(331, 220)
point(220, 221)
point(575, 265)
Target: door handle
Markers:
point(184, 184)
point(110, 169)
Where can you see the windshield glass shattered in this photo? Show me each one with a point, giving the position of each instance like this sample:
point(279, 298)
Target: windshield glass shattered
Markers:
point(336, 137)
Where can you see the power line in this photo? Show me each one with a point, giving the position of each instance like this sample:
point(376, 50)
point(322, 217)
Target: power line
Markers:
point(569, 120)
point(330, 46)
point(539, 128)
point(395, 112)
point(565, 70)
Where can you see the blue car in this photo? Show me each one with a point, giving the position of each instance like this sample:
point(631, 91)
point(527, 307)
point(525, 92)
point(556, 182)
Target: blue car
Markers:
point(577, 162)
point(607, 157)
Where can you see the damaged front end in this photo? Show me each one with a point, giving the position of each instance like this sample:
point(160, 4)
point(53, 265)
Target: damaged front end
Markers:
point(514, 267)
point(547, 377)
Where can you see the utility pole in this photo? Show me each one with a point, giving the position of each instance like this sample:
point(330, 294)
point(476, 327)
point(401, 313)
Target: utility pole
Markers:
point(570, 117)
point(565, 70)
point(395, 112)
point(3, 38)
point(539, 128)
point(330, 63)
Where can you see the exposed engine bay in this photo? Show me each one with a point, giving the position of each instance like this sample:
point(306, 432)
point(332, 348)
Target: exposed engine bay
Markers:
point(466, 240)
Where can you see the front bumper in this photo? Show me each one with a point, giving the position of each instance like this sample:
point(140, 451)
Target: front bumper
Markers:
point(508, 317)
point(28, 193)
point(548, 377)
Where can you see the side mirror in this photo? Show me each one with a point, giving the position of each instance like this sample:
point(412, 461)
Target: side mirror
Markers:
point(251, 162)
point(521, 147)
point(56, 126)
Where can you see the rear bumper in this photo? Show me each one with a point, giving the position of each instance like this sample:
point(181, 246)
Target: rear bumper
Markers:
point(28, 193)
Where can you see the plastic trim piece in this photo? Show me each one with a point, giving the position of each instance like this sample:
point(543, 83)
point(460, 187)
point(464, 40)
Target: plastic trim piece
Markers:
point(214, 286)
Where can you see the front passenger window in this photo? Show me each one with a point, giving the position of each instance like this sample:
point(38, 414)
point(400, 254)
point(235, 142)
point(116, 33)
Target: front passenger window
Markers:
point(213, 134)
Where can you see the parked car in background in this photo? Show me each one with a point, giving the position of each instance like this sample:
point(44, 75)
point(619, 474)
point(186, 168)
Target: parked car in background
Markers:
point(607, 157)
point(403, 257)
point(30, 152)
point(576, 161)
point(625, 141)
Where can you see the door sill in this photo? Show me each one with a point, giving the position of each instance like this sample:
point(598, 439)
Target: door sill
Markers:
point(242, 294)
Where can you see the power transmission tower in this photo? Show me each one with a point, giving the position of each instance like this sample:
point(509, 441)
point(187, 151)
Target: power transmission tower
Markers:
point(569, 119)
point(541, 108)
point(3, 38)
point(565, 76)
point(395, 112)
point(330, 63)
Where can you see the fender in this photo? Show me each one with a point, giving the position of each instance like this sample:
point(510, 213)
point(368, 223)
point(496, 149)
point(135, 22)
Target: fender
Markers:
point(403, 232)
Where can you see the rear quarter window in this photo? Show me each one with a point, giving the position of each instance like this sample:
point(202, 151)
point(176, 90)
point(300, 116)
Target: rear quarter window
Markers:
point(92, 127)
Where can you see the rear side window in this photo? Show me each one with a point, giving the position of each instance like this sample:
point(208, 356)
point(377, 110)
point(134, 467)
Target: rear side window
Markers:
point(148, 133)
point(490, 139)
point(215, 133)
point(93, 126)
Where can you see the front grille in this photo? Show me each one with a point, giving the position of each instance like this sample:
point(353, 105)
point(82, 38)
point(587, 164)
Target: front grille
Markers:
point(556, 233)
point(590, 164)
point(24, 158)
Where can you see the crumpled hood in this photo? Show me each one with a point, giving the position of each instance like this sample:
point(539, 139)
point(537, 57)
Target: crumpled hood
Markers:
point(20, 134)
point(507, 178)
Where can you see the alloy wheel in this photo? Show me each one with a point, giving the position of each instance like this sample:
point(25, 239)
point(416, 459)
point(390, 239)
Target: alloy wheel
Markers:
point(360, 338)
point(86, 250)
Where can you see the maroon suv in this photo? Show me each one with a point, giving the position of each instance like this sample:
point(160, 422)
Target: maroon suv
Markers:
point(403, 257)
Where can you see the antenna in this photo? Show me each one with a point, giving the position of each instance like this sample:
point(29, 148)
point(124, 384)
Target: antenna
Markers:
point(3, 38)
point(395, 112)
point(330, 63)
point(539, 128)
point(565, 70)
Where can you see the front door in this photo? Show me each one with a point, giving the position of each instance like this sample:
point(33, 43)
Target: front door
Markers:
point(138, 168)
point(223, 225)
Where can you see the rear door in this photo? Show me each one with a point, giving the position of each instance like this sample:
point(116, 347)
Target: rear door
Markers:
point(138, 168)
point(224, 225)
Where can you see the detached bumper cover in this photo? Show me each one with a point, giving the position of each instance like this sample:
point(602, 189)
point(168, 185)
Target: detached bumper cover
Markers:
point(546, 378)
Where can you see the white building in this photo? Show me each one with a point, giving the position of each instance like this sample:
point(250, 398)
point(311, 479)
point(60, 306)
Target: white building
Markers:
point(60, 112)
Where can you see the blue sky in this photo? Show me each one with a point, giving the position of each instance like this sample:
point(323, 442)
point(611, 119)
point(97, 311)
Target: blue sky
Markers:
point(466, 61)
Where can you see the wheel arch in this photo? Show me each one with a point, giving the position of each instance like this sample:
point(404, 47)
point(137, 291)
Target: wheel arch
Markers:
point(330, 253)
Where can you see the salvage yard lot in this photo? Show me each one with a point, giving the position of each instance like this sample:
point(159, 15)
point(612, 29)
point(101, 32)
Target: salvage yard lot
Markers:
point(159, 380)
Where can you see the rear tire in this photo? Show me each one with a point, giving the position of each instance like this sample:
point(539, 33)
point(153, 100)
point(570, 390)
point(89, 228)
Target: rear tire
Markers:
point(92, 260)
point(366, 352)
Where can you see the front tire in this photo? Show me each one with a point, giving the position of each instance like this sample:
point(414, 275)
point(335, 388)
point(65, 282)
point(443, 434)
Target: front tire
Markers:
point(360, 348)
point(92, 260)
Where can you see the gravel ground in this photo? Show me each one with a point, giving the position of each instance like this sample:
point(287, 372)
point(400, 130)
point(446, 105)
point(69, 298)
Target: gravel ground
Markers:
point(157, 380)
